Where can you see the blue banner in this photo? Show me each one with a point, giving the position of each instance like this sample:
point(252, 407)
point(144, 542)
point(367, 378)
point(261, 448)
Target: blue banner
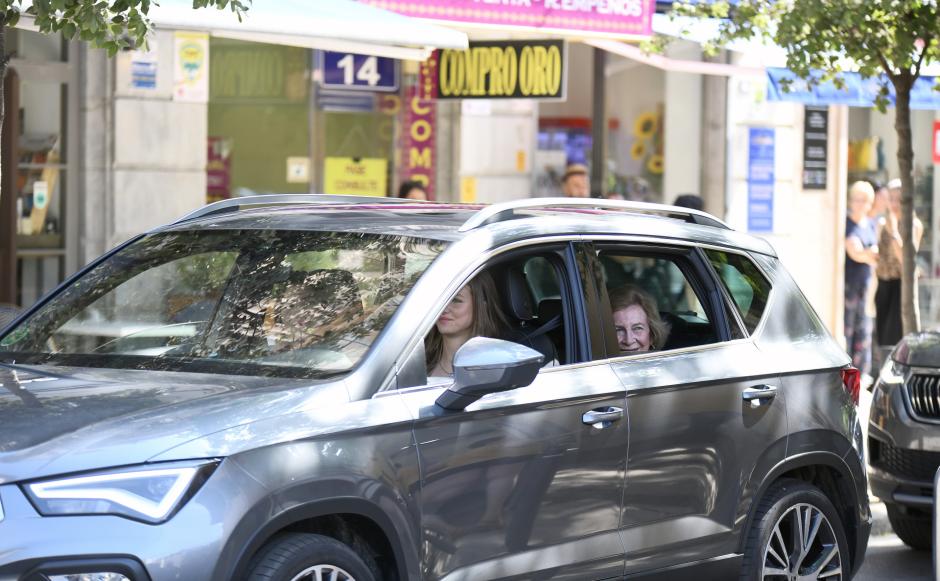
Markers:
point(760, 180)
point(858, 91)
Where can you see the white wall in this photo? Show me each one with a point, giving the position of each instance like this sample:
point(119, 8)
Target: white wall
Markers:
point(497, 144)
point(683, 126)
point(159, 160)
point(808, 224)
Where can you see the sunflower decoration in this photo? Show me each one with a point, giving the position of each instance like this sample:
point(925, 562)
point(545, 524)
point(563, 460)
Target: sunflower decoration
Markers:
point(646, 125)
point(647, 145)
point(638, 151)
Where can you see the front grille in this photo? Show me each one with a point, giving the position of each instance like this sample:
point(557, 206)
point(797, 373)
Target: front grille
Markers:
point(924, 392)
point(902, 462)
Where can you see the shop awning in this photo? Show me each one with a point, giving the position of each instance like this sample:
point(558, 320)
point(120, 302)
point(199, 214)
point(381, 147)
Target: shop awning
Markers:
point(338, 25)
point(673, 65)
point(858, 91)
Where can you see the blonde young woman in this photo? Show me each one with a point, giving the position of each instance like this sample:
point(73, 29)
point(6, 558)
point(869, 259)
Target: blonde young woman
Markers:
point(473, 312)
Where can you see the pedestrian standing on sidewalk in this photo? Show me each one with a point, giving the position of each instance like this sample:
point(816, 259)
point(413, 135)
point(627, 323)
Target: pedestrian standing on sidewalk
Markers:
point(888, 296)
point(574, 184)
point(861, 256)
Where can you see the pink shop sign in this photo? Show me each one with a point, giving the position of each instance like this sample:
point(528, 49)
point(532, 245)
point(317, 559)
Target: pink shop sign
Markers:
point(585, 17)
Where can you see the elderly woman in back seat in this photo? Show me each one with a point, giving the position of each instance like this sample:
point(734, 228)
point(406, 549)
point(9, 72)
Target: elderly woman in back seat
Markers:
point(636, 320)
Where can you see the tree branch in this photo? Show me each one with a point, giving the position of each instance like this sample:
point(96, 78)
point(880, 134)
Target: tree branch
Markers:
point(923, 53)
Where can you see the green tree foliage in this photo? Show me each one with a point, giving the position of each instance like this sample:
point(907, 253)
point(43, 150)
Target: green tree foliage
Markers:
point(889, 40)
point(111, 25)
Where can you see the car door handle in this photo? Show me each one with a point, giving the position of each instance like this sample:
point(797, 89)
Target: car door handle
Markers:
point(757, 393)
point(602, 416)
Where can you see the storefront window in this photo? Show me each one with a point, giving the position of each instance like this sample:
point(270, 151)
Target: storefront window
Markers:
point(40, 187)
point(259, 129)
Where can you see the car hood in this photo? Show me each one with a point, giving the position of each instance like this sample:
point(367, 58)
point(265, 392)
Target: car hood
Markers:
point(918, 350)
point(56, 420)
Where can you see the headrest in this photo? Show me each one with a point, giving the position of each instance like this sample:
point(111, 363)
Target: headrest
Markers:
point(549, 308)
point(516, 295)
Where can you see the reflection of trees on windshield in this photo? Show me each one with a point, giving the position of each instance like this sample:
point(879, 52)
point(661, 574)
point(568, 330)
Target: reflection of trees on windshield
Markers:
point(277, 299)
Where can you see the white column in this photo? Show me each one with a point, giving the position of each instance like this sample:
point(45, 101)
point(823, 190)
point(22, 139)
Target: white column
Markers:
point(682, 135)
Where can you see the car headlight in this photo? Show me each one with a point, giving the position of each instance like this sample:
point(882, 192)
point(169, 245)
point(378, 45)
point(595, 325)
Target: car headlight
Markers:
point(892, 373)
point(148, 493)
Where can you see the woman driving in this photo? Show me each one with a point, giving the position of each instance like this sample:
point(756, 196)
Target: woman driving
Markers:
point(473, 312)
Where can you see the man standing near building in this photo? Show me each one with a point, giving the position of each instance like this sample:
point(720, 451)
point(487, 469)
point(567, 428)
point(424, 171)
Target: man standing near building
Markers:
point(861, 255)
point(574, 184)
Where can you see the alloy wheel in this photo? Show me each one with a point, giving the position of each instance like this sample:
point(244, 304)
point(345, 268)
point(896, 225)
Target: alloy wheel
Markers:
point(323, 573)
point(802, 547)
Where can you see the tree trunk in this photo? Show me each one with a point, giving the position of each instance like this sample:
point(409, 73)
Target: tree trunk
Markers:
point(4, 59)
point(910, 317)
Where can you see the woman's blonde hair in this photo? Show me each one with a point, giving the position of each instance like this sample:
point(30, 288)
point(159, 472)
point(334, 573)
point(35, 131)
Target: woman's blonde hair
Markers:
point(629, 295)
point(488, 318)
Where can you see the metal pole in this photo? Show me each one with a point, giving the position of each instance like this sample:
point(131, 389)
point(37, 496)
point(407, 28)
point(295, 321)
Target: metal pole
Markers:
point(599, 124)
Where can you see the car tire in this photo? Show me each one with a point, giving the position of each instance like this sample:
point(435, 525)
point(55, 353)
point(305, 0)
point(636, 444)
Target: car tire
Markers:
point(915, 530)
point(299, 556)
point(784, 508)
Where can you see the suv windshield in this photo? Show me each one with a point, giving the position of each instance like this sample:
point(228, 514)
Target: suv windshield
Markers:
point(258, 302)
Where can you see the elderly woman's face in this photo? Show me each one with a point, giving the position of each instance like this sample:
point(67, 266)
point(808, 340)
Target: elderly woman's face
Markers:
point(633, 329)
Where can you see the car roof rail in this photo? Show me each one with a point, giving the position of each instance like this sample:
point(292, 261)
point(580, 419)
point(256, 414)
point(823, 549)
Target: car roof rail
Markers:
point(236, 204)
point(506, 210)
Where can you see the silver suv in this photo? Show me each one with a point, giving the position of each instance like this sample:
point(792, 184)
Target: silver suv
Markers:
point(904, 436)
point(247, 394)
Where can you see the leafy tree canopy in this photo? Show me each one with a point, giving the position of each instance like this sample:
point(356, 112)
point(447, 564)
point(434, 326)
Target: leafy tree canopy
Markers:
point(888, 39)
point(108, 24)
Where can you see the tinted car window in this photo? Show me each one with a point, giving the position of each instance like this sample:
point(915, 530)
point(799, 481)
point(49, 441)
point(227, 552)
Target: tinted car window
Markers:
point(259, 302)
point(681, 314)
point(748, 287)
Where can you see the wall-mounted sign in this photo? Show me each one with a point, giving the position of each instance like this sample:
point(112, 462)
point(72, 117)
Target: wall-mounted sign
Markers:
point(347, 176)
point(144, 67)
point(219, 169)
point(598, 17)
point(815, 147)
point(760, 180)
point(419, 131)
point(508, 69)
point(936, 142)
point(191, 67)
point(343, 70)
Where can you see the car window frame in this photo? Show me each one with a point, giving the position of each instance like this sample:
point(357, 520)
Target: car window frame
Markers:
point(697, 273)
point(729, 300)
point(574, 306)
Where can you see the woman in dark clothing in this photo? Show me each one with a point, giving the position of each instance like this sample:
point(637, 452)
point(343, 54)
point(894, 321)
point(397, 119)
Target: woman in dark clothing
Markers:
point(888, 330)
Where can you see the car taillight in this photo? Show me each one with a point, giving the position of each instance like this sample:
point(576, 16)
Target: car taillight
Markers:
point(852, 381)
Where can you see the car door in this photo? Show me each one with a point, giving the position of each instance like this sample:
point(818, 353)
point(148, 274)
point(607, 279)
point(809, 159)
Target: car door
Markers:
point(528, 484)
point(695, 437)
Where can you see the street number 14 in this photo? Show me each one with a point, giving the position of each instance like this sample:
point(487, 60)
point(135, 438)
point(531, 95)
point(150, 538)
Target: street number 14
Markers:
point(367, 73)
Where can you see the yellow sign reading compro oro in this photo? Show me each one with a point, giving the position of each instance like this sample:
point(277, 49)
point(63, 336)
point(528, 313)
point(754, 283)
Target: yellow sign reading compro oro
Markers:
point(525, 69)
point(347, 176)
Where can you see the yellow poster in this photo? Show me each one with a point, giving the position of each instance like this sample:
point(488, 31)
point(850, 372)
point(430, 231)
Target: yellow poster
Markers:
point(347, 176)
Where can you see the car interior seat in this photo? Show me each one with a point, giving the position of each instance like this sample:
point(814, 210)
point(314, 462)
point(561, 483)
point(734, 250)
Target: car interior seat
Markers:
point(526, 326)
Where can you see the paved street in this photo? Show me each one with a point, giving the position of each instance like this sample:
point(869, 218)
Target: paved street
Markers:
point(889, 558)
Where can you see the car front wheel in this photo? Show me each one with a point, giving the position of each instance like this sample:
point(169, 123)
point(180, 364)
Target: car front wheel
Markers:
point(309, 557)
point(795, 534)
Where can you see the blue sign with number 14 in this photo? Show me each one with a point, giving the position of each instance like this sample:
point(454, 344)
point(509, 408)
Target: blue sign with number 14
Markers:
point(343, 70)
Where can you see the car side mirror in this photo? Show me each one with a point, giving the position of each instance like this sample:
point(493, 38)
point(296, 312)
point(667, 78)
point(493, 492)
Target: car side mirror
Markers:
point(483, 365)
